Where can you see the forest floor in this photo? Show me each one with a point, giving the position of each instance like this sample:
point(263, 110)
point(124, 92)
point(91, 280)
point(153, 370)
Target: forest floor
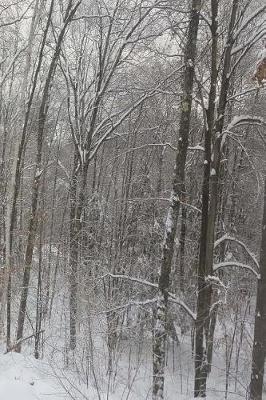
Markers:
point(59, 375)
point(22, 377)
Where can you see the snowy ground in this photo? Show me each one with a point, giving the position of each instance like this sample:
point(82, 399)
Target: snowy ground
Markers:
point(60, 376)
point(24, 378)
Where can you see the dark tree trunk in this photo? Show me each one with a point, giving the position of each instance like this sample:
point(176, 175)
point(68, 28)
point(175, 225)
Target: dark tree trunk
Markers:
point(160, 328)
point(211, 197)
point(39, 170)
point(183, 231)
point(259, 342)
point(203, 288)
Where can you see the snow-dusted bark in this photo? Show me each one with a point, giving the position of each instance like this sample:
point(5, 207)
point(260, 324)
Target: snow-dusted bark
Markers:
point(90, 130)
point(159, 349)
point(14, 181)
point(173, 212)
point(204, 288)
point(43, 110)
point(259, 341)
point(210, 200)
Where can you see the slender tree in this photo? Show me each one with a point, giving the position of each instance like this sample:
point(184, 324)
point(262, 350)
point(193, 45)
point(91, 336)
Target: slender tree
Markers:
point(178, 192)
point(39, 167)
point(259, 341)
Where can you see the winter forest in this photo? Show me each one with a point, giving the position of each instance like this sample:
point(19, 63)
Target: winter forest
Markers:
point(132, 199)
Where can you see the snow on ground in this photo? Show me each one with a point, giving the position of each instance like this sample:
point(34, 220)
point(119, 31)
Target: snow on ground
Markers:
point(83, 376)
point(24, 378)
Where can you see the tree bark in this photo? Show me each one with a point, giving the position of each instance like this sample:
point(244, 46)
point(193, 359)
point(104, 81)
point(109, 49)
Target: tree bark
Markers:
point(210, 214)
point(203, 287)
point(259, 341)
point(39, 169)
point(14, 186)
point(160, 328)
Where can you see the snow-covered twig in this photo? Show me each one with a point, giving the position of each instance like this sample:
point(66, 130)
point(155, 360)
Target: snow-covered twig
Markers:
point(179, 302)
point(250, 18)
point(64, 169)
point(243, 93)
point(9, 68)
point(197, 147)
point(255, 37)
point(215, 280)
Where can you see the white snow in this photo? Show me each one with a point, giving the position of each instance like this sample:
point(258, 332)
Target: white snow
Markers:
point(38, 173)
point(244, 119)
point(215, 280)
point(24, 378)
point(197, 147)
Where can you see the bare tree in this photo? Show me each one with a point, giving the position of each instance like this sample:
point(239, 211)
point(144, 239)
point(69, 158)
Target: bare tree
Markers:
point(177, 197)
point(259, 345)
point(39, 167)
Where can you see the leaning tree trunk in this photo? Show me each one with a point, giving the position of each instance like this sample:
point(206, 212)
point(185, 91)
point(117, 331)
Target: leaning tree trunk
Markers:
point(259, 342)
point(173, 212)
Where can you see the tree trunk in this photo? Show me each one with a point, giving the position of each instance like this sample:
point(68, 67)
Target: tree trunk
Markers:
point(259, 342)
point(208, 231)
point(183, 231)
point(160, 328)
point(39, 169)
point(203, 287)
point(14, 186)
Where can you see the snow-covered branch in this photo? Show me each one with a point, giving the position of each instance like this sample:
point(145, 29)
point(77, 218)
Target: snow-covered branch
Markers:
point(231, 264)
point(234, 240)
point(215, 280)
point(240, 120)
point(172, 297)
point(249, 19)
point(254, 38)
point(9, 68)
point(179, 302)
point(245, 92)
point(127, 112)
point(130, 304)
point(130, 278)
